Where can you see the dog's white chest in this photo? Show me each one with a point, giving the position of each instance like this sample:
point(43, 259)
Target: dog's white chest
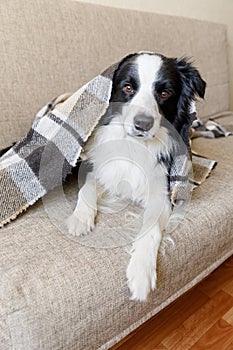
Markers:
point(123, 177)
point(124, 167)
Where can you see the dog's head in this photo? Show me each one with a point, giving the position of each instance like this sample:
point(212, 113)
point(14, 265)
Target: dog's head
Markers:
point(147, 87)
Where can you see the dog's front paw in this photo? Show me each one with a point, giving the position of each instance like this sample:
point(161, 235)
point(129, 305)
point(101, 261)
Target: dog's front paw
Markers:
point(79, 224)
point(141, 275)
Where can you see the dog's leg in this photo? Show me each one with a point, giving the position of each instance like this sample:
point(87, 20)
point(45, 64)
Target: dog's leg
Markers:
point(82, 220)
point(141, 271)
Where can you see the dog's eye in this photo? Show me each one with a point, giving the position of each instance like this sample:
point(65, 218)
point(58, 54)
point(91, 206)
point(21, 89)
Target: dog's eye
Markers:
point(128, 88)
point(164, 94)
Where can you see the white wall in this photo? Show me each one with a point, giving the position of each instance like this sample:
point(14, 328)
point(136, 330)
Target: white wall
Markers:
point(220, 11)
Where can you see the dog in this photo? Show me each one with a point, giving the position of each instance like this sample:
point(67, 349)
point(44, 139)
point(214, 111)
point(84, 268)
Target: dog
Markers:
point(149, 92)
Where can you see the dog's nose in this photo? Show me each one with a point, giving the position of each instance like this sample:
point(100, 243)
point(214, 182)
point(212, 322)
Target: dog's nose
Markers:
point(143, 123)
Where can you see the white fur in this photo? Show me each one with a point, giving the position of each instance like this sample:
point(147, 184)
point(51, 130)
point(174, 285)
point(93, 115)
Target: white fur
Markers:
point(127, 167)
point(144, 102)
point(82, 220)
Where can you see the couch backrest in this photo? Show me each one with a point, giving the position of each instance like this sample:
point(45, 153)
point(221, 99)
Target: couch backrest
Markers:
point(50, 47)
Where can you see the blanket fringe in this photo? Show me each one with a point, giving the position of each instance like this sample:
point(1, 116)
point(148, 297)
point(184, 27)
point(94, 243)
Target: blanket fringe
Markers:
point(15, 215)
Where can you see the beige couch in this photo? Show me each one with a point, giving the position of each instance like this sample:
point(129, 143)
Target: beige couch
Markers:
point(54, 292)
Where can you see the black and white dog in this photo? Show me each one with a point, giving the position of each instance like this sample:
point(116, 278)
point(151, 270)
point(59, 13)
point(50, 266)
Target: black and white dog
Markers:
point(127, 146)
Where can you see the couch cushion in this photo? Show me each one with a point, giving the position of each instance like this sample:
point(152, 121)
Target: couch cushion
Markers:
point(58, 294)
point(49, 49)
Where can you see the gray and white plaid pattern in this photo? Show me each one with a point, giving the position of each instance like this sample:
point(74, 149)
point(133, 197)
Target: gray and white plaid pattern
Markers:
point(51, 148)
point(211, 129)
point(54, 141)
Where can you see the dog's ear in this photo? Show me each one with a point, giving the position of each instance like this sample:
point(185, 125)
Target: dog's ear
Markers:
point(193, 84)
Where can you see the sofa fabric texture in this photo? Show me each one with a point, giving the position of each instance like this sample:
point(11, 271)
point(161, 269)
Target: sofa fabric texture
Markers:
point(49, 47)
point(56, 293)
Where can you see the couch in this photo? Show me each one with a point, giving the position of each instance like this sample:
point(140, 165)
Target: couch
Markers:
point(54, 292)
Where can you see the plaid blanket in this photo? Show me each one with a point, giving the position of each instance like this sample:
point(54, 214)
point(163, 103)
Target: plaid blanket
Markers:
point(51, 148)
point(211, 129)
point(49, 151)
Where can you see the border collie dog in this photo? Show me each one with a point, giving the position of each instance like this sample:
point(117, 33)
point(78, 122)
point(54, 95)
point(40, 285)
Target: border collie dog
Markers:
point(149, 93)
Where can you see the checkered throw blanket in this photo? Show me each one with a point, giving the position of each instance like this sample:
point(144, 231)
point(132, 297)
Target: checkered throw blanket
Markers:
point(51, 148)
